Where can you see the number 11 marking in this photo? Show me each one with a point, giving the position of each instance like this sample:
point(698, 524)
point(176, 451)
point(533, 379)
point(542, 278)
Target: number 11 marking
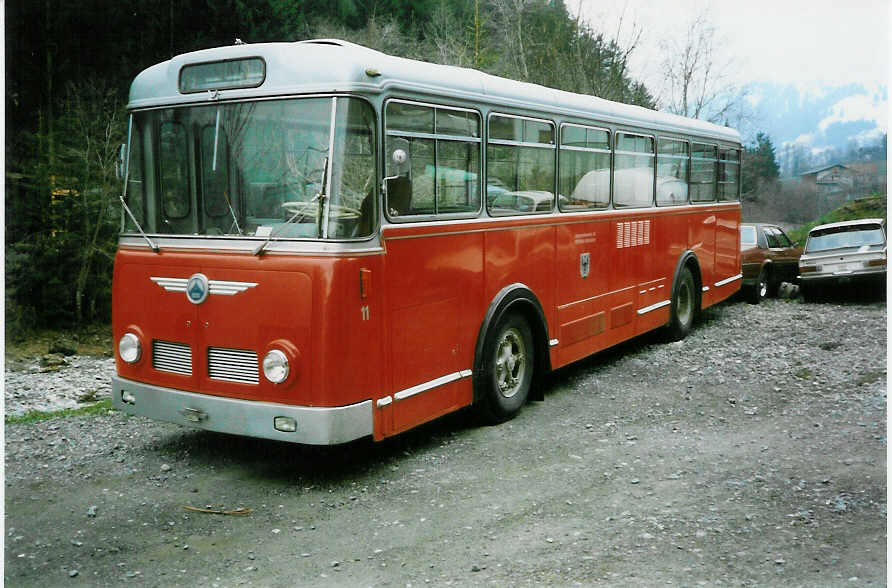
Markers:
point(365, 312)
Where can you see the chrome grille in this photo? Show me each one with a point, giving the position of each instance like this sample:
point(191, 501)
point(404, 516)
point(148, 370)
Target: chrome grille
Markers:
point(233, 365)
point(172, 357)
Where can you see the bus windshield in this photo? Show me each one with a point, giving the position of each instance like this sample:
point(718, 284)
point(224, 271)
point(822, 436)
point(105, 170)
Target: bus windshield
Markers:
point(297, 168)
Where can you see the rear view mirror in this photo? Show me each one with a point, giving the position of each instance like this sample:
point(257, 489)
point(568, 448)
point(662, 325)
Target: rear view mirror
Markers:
point(400, 160)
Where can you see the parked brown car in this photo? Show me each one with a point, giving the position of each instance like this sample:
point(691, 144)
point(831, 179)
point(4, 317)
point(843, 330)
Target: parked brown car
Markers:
point(767, 257)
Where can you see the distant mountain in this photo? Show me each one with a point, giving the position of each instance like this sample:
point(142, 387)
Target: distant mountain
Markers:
point(819, 123)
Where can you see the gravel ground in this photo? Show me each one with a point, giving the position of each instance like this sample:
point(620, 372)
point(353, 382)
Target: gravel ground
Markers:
point(753, 453)
point(55, 382)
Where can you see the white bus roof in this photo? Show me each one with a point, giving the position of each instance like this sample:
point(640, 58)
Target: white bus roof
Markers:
point(330, 65)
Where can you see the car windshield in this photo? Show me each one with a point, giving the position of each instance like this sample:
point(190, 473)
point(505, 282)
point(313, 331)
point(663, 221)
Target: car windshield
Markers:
point(747, 236)
point(298, 168)
point(845, 236)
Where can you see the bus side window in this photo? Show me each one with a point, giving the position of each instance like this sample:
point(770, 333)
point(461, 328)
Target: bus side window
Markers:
point(439, 174)
point(520, 168)
point(633, 175)
point(584, 168)
point(672, 172)
point(703, 172)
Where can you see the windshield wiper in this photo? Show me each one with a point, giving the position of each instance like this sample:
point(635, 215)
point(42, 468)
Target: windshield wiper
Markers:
point(232, 212)
point(301, 212)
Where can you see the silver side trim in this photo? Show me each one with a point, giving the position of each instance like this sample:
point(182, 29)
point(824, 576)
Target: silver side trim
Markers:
point(382, 402)
point(315, 425)
point(705, 288)
point(553, 342)
point(436, 383)
point(647, 309)
point(728, 280)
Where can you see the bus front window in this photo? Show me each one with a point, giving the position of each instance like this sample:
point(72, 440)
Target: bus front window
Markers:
point(299, 168)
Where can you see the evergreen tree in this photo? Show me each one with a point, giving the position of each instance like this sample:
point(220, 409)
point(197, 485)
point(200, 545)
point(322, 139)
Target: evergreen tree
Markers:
point(759, 164)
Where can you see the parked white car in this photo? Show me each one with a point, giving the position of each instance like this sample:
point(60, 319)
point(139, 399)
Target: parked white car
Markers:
point(849, 252)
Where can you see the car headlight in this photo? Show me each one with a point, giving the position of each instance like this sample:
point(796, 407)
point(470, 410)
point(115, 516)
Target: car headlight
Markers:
point(275, 366)
point(129, 348)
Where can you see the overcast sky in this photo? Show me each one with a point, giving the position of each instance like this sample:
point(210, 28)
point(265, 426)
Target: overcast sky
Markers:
point(806, 43)
point(818, 47)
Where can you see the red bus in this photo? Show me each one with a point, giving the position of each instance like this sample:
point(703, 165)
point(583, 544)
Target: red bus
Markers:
point(322, 242)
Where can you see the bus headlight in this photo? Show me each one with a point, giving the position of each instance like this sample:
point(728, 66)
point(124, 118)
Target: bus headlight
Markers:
point(129, 348)
point(275, 367)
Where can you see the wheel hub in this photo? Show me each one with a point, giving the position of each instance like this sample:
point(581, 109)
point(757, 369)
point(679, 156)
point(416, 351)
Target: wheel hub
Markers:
point(510, 363)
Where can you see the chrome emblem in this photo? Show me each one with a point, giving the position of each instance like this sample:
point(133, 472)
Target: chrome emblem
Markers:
point(584, 263)
point(197, 288)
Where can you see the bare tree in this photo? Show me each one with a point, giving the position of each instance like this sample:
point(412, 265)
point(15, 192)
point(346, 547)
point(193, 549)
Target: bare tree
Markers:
point(95, 129)
point(444, 33)
point(696, 82)
point(509, 15)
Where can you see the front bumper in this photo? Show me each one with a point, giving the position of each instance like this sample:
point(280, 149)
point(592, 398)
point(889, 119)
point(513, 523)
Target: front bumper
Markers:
point(315, 425)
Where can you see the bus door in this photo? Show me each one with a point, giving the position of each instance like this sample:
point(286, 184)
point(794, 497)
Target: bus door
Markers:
point(430, 294)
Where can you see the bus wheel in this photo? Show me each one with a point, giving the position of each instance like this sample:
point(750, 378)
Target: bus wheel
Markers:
point(508, 369)
point(684, 306)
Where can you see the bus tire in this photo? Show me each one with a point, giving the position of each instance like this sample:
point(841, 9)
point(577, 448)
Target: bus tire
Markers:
point(508, 360)
point(684, 306)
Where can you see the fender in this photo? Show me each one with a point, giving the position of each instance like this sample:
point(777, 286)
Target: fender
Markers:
point(518, 297)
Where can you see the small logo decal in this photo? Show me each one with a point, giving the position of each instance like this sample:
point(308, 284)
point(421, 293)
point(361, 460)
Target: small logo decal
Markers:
point(197, 288)
point(584, 264)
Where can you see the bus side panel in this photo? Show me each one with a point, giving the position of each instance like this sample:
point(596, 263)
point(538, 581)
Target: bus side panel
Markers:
point(526, 256)
point(350, 318)
point(582, 266)
point(701, 239)
point(433, 286)
point(727, 253)
point(424, 407)
point(626, 256)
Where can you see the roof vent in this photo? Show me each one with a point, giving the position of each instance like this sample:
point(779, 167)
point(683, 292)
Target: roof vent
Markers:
point(334, 42)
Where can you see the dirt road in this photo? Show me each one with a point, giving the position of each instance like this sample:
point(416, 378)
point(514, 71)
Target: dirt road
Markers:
point(753, 453)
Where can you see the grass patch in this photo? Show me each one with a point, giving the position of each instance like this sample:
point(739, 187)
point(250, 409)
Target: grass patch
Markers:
point(804, 373)
point(869, 378)
point(33, 416)
point(867, 207)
